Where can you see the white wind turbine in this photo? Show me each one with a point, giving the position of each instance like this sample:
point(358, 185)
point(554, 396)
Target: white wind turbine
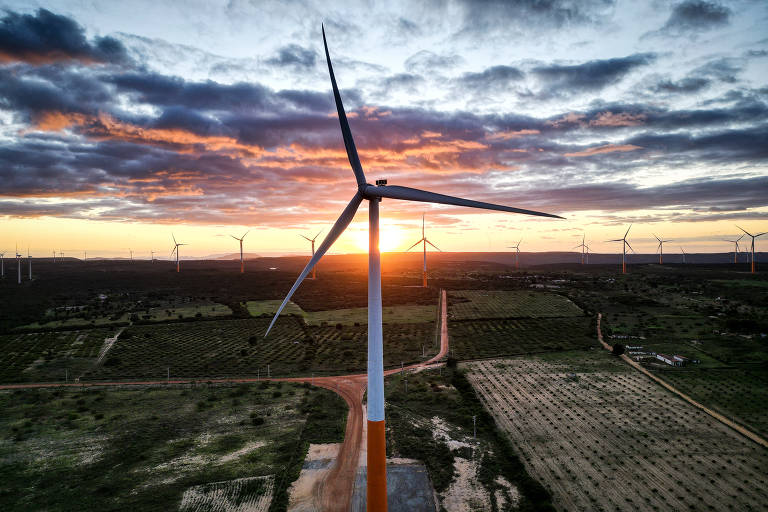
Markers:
point(735, 248)
point(312, 241)
point(176, 246)
point(29, 263)
point(152, 255)
point(753, 244)
point(683, 251)
point(242, 263)
point(624, 249)
point(516, 247)
point(584, 247)
point(376, 472)
point(425, 242)
point(2, 264)
point(660, 248)
point(18, 262)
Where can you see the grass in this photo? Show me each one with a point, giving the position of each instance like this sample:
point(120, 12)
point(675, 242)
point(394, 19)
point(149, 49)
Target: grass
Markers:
point(123, 449)
point(413, 314)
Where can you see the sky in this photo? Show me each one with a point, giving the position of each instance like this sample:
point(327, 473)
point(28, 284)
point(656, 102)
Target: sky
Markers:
point(124, 122)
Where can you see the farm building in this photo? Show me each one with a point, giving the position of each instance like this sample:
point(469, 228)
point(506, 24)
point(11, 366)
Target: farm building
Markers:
point(670, 360)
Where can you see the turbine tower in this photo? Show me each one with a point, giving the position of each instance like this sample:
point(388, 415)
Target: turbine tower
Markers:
point(176, 246)
point(753, 245)
point(517, 252)
point(29, 263)
point(312, 241)
point(152, 255)
point(425, 242)
point(18, 263)
point(624, 249)
point(2, 265)
point(660, 248)
point(85, 256)
point(376, 450)
point(583, 247)
point(54, 256)
point(735, 248)
point(683, 251)
point(242, 264)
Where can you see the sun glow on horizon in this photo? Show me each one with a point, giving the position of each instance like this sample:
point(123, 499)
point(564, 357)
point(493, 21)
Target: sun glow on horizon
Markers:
point(391, 238)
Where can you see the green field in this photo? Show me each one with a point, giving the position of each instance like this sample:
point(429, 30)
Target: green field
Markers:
point(49, 356)
point(141, 448)
point(484, 304)
point(353, 316)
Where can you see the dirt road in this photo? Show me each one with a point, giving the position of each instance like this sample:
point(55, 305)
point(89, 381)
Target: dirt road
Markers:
point(719, 417)
point(334, 492)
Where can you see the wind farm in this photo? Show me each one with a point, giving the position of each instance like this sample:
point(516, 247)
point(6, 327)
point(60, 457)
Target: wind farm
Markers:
point(511, 369)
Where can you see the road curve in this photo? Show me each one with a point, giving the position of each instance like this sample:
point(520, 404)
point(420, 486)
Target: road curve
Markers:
point(719, 417)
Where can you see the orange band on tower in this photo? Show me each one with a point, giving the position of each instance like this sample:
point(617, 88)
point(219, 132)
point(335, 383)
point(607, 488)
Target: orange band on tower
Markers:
point(377, 468)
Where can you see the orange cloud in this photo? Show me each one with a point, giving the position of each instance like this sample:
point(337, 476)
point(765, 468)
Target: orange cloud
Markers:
point(511, 134)
point(608, 148)
point(621, 119)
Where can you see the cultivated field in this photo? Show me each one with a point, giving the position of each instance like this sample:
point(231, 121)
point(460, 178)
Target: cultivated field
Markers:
point(481, 304)
point(151, 448)
point(49, 356)
point(603, 437)
point(353, 316)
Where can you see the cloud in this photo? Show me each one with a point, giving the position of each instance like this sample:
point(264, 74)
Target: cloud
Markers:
point(696, 15)
point(46, 37)
point(294, 56)
point(490, 79)
point(608, 148)
point(684, 86)
point(429, 63)
point(589, 76)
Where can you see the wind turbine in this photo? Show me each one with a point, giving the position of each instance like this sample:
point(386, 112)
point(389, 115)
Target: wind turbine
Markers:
point(54, 256)
point(152, 255)
point(18, 262)
point(312, 241)
point(517, 252)
point(753, 244)
point(85, 256)
point(376, 451)
point(425, 242)
point(2, 264)
point(583, 247)
point(735, 248)
point(624, 249)
point(660, 248)
point(242, 264)
point(683, 251)
point(29, 263)
point(176, 246)
point(131, 253)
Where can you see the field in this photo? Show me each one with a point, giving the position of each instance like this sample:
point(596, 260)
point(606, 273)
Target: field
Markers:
point(603, 437)
point(149, 448)
point(49, 356)
point(414, 314)
point(482, 304)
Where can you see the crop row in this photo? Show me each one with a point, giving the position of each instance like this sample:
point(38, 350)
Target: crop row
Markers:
point(477, 304)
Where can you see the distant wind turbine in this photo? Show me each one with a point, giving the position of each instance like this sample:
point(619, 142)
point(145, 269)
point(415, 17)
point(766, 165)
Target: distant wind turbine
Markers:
point(583, 247)
point(683, 251)
point(624, 249)
point(85, 256)
point(660, 248)
point(735, 248)
point(18, 262)
point(516, 247)
point(376, 450)
point(753, 244)
point(54, 256)
point(425, 242)
point(176, 246)
point(242, 264)
point(2, 265)
point(152, 255)
point(312, 241)
point(29, 264)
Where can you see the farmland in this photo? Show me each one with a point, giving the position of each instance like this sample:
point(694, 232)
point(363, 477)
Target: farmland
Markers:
point(413, 314)
point(600, 436)
point(152, 448)
point(482, 304)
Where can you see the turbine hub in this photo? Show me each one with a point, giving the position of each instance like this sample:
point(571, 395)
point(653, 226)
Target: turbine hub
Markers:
point(380, 183)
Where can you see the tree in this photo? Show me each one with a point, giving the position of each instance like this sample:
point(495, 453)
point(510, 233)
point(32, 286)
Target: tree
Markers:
point(618, 349)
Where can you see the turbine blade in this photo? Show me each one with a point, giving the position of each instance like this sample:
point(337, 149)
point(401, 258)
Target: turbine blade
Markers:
point(349, 142)
point(174, 238)
point(245, 234)
point(414, 245)
point(233, 236)
point(317, 235)
point(433, 245)
point(761, 234)
point(305, 238)
point(617, 240)
point(744, 230)
point(630, 247)
point(625, 234)
point(341, 224)
point(654, 236)
point(413, 194)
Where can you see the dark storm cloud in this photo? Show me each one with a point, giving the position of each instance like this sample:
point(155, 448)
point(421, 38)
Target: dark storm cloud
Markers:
point(495, 77)
point(589, 76)
point(47, 37)
point(294, 56)
point(484, 16)
point(684, 86)
point(695, 15)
